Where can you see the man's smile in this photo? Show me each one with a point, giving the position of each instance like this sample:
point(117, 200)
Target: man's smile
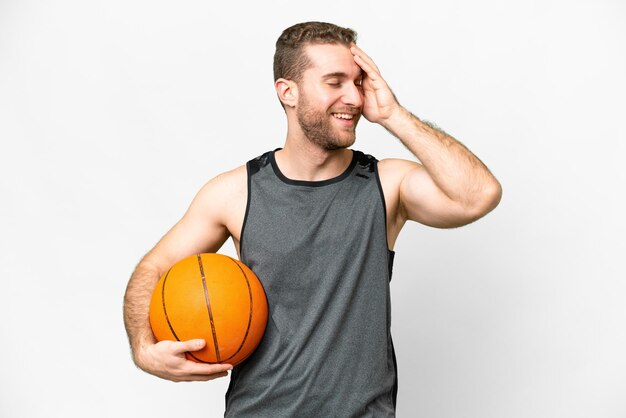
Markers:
point(343, 115)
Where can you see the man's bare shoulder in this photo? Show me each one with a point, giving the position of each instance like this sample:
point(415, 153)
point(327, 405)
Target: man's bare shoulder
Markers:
point(232, 181)
point(228, 184)
point(222, 201)
point(392, 170)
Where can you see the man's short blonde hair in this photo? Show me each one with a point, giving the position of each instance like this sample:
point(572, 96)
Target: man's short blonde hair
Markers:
point(290, 59)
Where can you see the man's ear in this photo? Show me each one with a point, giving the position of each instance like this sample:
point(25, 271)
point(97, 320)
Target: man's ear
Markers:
point(287, 91)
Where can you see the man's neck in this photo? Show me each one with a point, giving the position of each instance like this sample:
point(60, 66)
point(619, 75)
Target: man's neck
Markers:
point(303, 160)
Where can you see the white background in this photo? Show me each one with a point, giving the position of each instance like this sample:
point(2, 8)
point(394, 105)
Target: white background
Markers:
point(114, 113)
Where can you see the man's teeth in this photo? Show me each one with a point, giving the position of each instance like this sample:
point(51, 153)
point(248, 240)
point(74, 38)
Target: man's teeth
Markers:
point(343, 115)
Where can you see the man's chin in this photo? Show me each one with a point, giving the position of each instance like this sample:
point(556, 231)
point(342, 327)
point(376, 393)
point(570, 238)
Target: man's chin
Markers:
point(333, 139)
point(344, 143)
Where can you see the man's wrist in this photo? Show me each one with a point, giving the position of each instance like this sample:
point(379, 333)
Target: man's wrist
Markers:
point(399, 119)
point(140, 348)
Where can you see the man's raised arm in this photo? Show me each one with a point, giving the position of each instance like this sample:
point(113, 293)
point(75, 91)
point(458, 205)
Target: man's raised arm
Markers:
point(451, 187)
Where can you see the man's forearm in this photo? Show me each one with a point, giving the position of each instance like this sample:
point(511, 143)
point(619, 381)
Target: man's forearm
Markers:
point(137, 306)
point(455, 169)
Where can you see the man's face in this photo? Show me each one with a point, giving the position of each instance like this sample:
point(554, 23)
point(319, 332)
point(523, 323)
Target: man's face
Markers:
point(330, 97)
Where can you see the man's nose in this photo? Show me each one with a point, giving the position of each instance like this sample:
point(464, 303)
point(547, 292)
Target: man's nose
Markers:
point(352, 95)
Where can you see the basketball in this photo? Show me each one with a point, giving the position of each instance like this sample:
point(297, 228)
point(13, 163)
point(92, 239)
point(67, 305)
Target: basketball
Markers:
point(213, 297)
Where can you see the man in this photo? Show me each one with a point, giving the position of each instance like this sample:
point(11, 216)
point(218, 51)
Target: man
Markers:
point(317, 222)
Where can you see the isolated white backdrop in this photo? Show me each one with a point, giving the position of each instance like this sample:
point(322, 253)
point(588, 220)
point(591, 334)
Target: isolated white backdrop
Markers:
point(114, 113)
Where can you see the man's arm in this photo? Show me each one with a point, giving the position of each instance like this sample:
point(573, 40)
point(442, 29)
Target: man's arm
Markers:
point(451, 187)
point(212, 215)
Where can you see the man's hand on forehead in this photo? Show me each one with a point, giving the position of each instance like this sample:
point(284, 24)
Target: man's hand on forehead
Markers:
point(380, 102)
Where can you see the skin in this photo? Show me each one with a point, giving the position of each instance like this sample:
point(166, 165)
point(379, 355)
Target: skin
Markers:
point(450, 188)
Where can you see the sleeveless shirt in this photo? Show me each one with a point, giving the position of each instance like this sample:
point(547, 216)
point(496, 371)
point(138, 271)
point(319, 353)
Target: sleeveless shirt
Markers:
point(320, 250)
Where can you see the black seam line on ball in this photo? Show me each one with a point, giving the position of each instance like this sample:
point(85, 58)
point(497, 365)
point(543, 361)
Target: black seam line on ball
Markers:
point(245, 337)
point(208, 305)
point(167, 318)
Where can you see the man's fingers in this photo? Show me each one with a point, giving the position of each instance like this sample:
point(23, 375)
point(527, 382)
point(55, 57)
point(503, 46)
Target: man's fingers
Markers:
point(188, 370)
point(201, 377)
point(190, 345)
point(371, 74)
point(358, 52)
point(194, 368)
point(189, 367)
point(207, 377)
point(174, 365)
point(366, 58)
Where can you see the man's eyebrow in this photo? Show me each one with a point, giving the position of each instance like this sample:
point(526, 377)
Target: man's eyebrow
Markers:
point(338, 74)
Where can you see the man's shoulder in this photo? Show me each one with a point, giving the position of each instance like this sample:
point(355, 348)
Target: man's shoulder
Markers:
point(235, 180)
point(384, 163)
point(227, 184)
point(222, 198)
point(395, 167)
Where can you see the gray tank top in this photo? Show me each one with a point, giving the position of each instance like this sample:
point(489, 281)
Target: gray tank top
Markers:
point(320, 250)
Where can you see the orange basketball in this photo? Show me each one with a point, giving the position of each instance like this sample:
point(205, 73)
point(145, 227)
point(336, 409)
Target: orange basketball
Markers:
point(213, 297)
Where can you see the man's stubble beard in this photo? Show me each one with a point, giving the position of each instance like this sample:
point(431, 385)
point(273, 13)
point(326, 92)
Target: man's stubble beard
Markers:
point(317, 126)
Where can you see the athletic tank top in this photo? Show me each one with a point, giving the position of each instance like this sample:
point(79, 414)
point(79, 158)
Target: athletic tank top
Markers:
point(320, 251)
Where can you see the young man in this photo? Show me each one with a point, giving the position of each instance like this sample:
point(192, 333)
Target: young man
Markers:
point(317, 223)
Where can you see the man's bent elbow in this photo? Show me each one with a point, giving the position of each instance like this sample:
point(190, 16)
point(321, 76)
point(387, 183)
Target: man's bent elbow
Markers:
point(486, 201)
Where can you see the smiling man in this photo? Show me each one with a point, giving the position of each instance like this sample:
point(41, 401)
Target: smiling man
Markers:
point(317, 222)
